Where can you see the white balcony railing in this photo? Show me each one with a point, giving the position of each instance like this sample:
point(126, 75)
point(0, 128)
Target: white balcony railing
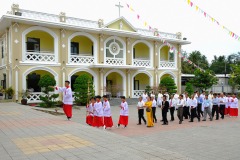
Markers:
point(137, 93)
point(81, 59)
point(34, 97)
point(167, 64)
point(114, 61)
point(40, 57)
point(141, 63)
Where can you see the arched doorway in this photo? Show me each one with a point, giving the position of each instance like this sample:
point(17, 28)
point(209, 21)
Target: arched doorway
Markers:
point(168, 74)
point(167, 58)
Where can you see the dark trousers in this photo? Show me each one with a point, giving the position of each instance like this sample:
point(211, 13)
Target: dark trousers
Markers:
point(222, 111)
point(165, 121)
point(186, 112)
point(172, 113)
point(215, 109)
point(154, 114)
point(140, 116)
point(194, 114)
point(199, 110)
point(180, 113)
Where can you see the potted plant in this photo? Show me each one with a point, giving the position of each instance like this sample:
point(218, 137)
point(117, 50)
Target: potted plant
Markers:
point(10, 92)
point(1, 92)
point(25, 95)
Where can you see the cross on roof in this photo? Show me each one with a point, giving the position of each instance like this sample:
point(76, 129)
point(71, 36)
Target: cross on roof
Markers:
point(119, 8)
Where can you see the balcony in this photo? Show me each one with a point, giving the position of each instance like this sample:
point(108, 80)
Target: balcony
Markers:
point(167, 65)
point(114, 61)
point(142, 62)
point(80, 59)
point(137, 93)
point(43, 56)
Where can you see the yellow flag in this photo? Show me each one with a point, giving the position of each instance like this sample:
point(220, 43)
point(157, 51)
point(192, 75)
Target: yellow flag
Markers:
point(213, 19)
point(196, 8)
point(131, 8)
point(188, 1)
point(145, 24)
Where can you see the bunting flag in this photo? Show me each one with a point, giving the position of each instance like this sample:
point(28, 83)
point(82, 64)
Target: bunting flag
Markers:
point(172, 48)
point(206, 15)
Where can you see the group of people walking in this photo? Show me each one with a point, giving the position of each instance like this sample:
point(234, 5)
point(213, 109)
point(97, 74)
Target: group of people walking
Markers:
point(98, 113)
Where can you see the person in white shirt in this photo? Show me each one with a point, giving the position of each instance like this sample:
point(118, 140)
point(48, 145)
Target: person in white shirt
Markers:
point(215, 107)
point(206, 108)
point(123, 119)
point(222, 104)
point(67, 99)
point(140, 107)
point(154, 106)
point(167, 95)
point(196, 94)
point(98, 113)
point(172, 105)
point(210, 97)
point(186, 113)
point(153, 95)
point(203, 95)
point(108, 123)
point(234, 106)
point(193, 107)
point(159, 99)
point(180, 105)
point(89, 110)
point(144, 97)
point(228, 104)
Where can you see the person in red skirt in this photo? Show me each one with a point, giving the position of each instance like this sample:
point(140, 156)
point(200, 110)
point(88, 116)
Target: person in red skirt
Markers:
point(228, 104)
point(67, 99)
point(98, 113)
point(123, 119)
point(107, 120)
point(234, 106)
point(89, 110)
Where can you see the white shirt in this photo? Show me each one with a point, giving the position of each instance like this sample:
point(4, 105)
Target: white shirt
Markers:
point(140, 104)
point(167, 96)
point(196, 96)
point(98, 107)
point(234, 103)
point(229, 101)
point(144, 97)
point(153, 95)
point(67, 95)
point(124, 109)
point(187, 101)
point(106, 109)
point(176, 96)
point(172, 103)
point(154, 103)
point(193, 103)
point(180, 103)
point(221, 99)
point(90, 109)
point(159, 99)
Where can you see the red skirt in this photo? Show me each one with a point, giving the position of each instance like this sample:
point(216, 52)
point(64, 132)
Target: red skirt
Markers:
point(233, 111)
point(67, 110)
point(123, 120)
point(97, 121)
point(108, 122)
point(89, 120)
point(227, 110)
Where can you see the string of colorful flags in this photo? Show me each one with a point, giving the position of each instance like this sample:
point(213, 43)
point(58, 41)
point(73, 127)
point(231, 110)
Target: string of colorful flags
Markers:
point(172, 48)
point(206, 15)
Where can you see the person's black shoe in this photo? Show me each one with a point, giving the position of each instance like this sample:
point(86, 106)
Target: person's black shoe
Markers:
point(190, 121)
point(216, 119)
point(180, 122)
point(204, 120)
point(145, 123)
point(139, 123)
point(211, 119)
point(198, 119)
point(161, 121)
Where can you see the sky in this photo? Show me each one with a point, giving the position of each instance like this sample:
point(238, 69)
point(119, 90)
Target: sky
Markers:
point(167, 15)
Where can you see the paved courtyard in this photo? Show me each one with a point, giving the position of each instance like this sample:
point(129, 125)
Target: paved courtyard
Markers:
point(26, 133)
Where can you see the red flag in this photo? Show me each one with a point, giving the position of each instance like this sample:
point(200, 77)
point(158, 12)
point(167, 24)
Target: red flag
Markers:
point(205, 14)
point(191, 3)
point(128, 5)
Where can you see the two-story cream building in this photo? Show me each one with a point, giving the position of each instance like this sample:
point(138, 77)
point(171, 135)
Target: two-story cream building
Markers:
point(115, 54)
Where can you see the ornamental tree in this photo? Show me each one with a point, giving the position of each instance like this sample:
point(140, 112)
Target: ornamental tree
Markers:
point(169, 84)
point(189, 88)
point(49, 100)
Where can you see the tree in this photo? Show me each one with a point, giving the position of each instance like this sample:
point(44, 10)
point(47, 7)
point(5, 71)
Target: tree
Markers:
point(220, 65)
point(189, 88)
point(204, 79)
point(169, 84)
point(197, 58)
point(148, 89)
point(49, 100)
point(84, 89)
point(234, 80)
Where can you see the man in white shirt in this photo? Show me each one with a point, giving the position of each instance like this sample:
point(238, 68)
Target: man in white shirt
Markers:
point(98, 113)
point(193, 106)
point(186, 107)
point(153, 95)
point(167, 95)
point(222, 104)
point(67, 99)
point(154, 106)
point(159, 99)
point(140, 107)
point(172, 105)
point(206, 108)
point(180, 105)
point(144, 97)
point(210, 97)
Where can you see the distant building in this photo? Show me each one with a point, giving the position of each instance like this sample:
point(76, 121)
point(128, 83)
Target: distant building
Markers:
point(222, 86)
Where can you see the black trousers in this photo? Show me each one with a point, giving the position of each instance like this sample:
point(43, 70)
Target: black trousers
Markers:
point(194, 114)
point(215, 109)
point(172, 109)
point(165, 121)
point(140, 116)
point(154, 114)
point(222, 110)
point(186, 112)
point(199, 110)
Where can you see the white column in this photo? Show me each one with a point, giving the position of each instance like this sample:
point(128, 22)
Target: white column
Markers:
point(10, 77)
point(129, 82)
point(63, 77)
point(101, 81)
point(16, 84)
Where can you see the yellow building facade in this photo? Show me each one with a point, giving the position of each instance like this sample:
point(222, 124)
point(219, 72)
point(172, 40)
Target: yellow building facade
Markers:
point(121, 59)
